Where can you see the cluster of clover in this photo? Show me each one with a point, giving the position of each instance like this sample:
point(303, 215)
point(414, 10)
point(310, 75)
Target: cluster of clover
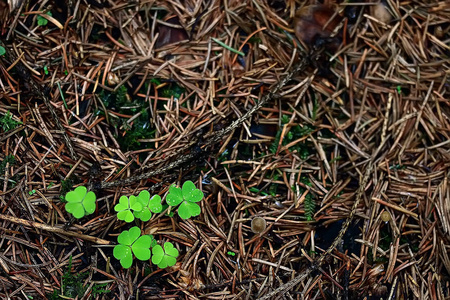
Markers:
point(81, 203)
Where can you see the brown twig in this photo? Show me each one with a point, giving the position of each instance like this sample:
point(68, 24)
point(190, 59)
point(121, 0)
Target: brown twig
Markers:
point(53, 229)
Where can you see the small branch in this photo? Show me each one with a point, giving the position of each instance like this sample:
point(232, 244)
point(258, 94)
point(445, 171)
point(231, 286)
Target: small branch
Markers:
point(49, 228)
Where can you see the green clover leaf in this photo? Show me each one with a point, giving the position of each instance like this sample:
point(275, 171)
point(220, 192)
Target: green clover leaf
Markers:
point(80, 203)
point(124, 255)
point(188, 209)
point(175, 196)
point(43, 21)
point(187, 196)
point(125, 207)
point(155, 204)
point(2, 51)
point(141, 248)
point(144, 214)
point(148, 206)
point(130, 242)
point(127, 237)
point(164, 257)
point(191, 193)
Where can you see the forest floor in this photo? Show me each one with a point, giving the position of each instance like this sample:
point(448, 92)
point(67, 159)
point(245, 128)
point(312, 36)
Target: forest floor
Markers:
point(318, 135)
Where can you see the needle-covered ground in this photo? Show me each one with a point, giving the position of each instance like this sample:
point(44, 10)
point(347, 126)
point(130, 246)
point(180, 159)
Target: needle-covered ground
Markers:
point(283, 111)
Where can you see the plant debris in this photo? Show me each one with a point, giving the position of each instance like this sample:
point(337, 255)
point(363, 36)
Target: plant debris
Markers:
point(333, 128)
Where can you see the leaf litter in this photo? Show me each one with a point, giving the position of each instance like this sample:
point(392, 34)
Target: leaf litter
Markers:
point(127, 97)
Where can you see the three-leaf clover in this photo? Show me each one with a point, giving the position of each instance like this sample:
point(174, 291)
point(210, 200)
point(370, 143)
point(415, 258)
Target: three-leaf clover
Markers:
point(130, 242)
point(125, 206)
point(148, 206)
point(80, 203)
point(166, 256)
point(187, 196)
point(43, 21)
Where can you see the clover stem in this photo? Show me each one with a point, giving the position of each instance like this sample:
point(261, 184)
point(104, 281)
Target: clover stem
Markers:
point(70, 222)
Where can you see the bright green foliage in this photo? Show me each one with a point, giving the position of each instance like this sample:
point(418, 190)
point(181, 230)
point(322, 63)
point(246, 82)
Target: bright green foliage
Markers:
point(43, 21)
point(2, 51)
point(125, 208)
point(187, 196)
point(164, 257)
point(148, 206)
point(130, 242)
point(155, 204)
point(8, 123)
point(80, 203)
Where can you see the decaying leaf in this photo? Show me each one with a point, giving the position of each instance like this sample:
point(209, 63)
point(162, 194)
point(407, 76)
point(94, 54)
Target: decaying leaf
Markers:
point(170, 35)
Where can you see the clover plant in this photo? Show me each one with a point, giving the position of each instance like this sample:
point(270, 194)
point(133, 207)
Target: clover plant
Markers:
point(125, 208)
point(80, 202)
point(188, 195)
point(131, 242)
point(164, 257)
point(2, 51)
point(43, 21)
point(148, 206)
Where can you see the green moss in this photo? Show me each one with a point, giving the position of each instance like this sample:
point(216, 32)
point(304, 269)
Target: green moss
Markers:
point(8, 159)
point(72, 286)
point(274, 186)
point(66, 186)
point(98, 289)
point(310, 207)
point(172, 89)
point(130, 132)
point(294, 133)
point(115, 99)
point(254, 40)
point(8, 123)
